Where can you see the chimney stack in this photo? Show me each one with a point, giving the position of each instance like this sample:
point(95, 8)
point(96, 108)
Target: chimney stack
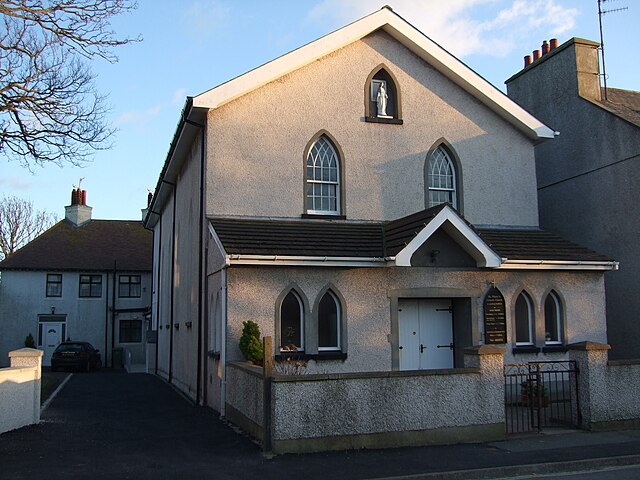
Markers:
point(78, 213)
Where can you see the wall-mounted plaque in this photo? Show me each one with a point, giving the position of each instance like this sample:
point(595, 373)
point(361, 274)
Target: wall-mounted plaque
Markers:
point(495, 318)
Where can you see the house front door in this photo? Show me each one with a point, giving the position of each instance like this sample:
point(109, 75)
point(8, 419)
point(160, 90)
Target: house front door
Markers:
point(425, 331)
point(52, 336)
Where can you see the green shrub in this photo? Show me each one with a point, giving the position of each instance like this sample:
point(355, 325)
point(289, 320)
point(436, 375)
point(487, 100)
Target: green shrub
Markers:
point(29, 342)
point(250, 344)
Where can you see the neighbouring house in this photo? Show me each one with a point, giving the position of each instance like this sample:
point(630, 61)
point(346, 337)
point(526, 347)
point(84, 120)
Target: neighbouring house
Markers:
point(589, 177)
point(82, 279)
point(371, 201)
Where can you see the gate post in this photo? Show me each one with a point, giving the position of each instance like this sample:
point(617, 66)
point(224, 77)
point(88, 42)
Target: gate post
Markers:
point(591, 360)
point(267, 373)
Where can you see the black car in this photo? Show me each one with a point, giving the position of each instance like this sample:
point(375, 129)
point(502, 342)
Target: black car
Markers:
point(78, 355)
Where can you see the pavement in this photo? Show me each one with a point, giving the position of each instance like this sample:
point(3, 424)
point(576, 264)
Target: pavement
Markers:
point(120, 426)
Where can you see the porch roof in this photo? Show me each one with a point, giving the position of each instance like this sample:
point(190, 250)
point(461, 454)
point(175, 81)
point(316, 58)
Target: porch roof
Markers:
point(312, 238)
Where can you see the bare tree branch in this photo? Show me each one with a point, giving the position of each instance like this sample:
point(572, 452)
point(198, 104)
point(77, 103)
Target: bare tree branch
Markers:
point(19, 224)
point(50, 110)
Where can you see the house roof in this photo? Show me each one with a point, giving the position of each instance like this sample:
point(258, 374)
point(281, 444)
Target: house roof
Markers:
point(93, 246)
point(383, 240)
point(623, 103)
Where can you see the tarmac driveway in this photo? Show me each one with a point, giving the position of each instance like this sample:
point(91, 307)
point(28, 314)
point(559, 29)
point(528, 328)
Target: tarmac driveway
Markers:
point(120, 426)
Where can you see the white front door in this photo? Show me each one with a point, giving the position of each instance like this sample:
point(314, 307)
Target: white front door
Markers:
point(425, 331)
point(52, 336)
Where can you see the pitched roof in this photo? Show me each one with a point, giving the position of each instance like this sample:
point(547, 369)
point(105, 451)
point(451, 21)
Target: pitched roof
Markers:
point(623, 103)
point(412, 38)
point(93, 246)
point(343, 239)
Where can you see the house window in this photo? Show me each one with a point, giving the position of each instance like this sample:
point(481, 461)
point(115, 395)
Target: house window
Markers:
point(553, 319)
point(129, 286)
point(524, 320)
point(291, 322)
point(323, 178)
point(90, 286)
point(130, 331)
point(382, 100)
point(441, 179)
point(54, 285)
point(329, 322)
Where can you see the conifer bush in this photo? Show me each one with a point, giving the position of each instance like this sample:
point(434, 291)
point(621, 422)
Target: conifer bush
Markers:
point(250, 344)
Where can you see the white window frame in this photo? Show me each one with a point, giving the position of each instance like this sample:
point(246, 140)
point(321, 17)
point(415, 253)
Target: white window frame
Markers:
point(530, 319)
point(441, 155)
point(558, 310)
point(338, 305)
point(314, 157)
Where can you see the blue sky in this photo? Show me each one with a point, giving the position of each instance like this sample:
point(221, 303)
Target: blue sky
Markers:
point(191, 46)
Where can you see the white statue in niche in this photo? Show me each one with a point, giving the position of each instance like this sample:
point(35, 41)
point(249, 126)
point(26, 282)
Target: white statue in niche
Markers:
point(381, 100)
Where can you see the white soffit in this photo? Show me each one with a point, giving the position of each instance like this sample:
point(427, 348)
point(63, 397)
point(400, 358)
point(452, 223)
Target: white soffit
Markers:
point(457, 229)
point(406, 34)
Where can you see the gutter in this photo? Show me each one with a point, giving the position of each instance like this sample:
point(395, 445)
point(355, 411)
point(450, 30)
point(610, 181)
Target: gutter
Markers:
point(558, 265)
point(300, 260)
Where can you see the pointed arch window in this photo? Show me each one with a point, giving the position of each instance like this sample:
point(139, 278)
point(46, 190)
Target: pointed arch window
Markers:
point(553, 319)
point(323, 178)
point(524, 320)
point(292, 322)
point(329, 322)
point(441, 178)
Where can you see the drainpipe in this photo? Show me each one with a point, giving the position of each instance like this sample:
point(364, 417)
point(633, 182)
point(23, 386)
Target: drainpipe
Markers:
point(223, 344)
point(106, 321)
point(113, 312)
point(201, 266)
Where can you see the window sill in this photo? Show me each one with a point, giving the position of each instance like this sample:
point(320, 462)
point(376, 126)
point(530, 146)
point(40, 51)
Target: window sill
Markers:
point(554, 349)
point(525, 349)
point(312, 356)
point(324, 217)
point(389, 121)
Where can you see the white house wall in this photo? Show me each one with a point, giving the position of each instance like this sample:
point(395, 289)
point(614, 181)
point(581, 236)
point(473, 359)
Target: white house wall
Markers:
point(368, 292)
point(256, 143)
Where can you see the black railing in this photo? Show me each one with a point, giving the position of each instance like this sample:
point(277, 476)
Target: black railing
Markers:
point(541, 395)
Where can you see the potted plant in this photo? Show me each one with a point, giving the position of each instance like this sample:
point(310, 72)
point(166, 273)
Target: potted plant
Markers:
point(534, 394)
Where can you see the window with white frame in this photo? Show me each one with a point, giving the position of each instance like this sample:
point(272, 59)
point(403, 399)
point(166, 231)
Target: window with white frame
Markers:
point(441, 179)
point(54, 285)
point(292, 323)
point(553, 319)
point(329, 318)
point(524, 320)
point(323, 178)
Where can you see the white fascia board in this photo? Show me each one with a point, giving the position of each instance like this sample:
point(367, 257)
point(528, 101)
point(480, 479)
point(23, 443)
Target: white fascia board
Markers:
point(464, 235)
point(308, 261)
point(406, 34)
point(216, 240)
point(557, 265)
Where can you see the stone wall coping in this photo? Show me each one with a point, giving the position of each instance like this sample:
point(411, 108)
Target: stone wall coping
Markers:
point(588, 346)
point(247, 367)
point(6, 370)
point(485, 350)
point(26, 352)
point(313, 377)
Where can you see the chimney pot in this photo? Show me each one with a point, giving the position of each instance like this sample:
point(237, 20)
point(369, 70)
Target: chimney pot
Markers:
point(84, 197)
point(536, 55)
point(527, 60)
point(149, 199)
point(553, 43)
point(545, 47)
point(74, 197)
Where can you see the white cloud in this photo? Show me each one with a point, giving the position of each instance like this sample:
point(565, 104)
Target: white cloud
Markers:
point(15, 183)
point(465, 27)
point(207, 18)
point(140, 119)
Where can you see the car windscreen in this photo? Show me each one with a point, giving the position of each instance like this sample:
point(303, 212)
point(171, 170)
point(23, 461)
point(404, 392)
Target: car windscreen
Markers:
point(72, 347)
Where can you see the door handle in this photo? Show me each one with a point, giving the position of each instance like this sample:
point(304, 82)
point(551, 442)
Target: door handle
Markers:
point(450, 346)
point(422, 348)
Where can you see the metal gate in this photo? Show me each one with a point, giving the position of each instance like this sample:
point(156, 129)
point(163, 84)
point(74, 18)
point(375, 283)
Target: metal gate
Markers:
point(541, 395)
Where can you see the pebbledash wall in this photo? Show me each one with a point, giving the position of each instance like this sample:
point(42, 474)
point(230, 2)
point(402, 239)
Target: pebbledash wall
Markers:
point(319, 412)
point(370, 410)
